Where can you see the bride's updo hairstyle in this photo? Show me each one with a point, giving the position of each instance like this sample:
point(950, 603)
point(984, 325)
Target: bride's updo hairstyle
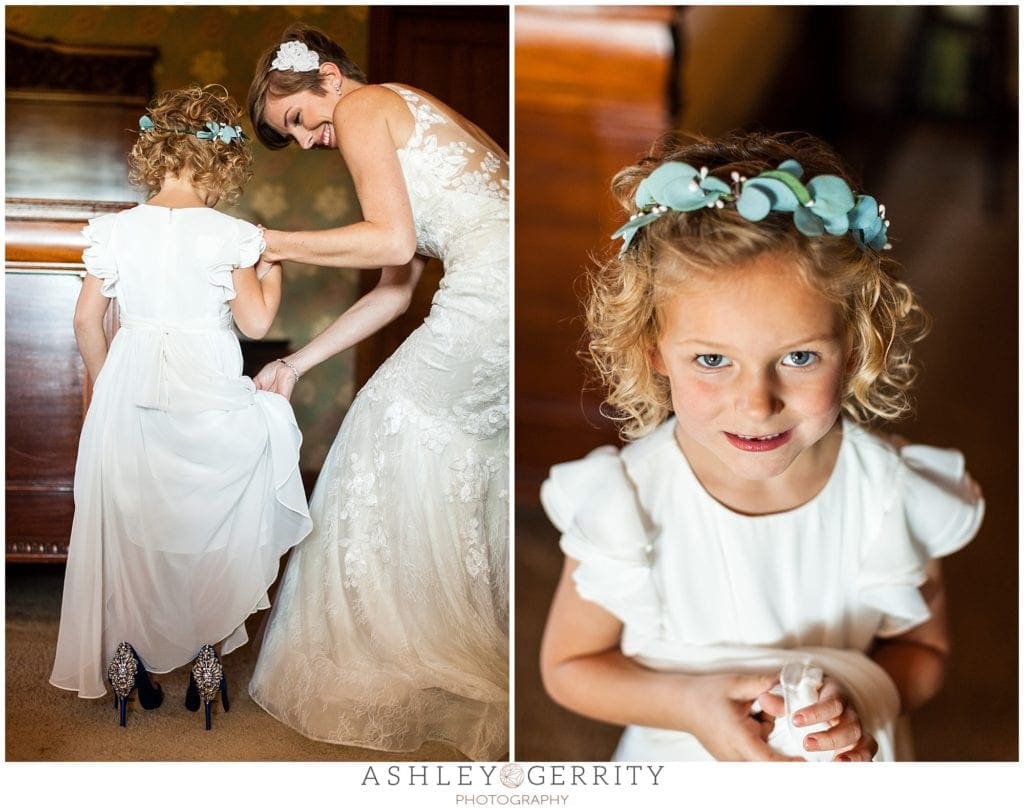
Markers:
point(268, 81)
point(628, 290)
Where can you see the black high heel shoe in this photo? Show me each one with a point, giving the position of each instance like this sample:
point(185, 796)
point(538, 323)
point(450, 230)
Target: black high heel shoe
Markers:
point(127, 673)
point(205, 680)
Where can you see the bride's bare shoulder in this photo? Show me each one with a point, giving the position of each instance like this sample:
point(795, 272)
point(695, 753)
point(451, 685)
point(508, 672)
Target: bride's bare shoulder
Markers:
point(369, 99)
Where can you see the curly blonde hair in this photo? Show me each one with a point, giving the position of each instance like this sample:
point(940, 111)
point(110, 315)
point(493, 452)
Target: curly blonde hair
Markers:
point(627, 293)
point(268, 82)
point(223, 168)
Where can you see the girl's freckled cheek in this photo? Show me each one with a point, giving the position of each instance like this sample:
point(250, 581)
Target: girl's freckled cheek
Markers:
point(699, 396)
point(704, 390)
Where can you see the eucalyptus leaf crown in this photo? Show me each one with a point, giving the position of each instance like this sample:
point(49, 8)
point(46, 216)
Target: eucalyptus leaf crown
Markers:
point(211, 131)
point(824, 205)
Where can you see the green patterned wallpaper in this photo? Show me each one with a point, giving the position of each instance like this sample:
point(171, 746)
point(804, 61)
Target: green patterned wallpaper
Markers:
point(291, 189)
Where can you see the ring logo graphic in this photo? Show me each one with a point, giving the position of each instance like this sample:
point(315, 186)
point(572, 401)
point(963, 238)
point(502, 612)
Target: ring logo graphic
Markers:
point(512, 775)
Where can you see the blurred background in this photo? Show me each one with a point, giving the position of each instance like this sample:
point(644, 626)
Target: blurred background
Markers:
point(922, 102)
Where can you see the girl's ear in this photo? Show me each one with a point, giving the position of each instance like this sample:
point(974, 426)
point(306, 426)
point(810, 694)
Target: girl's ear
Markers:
point(657, 362)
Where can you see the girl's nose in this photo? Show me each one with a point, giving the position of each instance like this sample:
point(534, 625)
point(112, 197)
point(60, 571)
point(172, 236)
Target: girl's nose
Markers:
point(757, 398)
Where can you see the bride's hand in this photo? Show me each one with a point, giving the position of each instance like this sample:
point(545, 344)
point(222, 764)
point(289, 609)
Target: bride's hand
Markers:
point(268, 257)
point(272, 252)
point(276, 377)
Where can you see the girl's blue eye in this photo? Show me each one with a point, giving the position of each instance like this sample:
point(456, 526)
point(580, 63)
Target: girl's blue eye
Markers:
point(800, 359)
point(712, 360)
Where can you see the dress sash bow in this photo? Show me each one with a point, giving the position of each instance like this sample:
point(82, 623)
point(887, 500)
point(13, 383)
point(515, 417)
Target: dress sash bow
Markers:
point(177, 379)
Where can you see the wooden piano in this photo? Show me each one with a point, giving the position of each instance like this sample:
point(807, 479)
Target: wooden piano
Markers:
point(69, 112)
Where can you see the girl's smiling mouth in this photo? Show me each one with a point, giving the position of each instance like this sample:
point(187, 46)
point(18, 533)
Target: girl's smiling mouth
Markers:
point(759, 443)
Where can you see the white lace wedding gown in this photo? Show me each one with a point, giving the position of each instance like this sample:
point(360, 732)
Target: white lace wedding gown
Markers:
point(390, 625)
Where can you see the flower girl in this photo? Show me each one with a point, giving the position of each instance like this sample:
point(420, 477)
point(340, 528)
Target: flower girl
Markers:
point(187, 488)
point(749, 330)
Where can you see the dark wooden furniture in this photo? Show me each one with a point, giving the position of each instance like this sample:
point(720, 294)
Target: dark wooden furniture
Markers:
point(594, 87)
point(71, 112)
point(47, 391)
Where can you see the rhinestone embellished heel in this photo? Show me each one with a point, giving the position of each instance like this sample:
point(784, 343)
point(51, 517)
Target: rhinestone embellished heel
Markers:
point(122, 672)
point(126, 673)
point(205, 681)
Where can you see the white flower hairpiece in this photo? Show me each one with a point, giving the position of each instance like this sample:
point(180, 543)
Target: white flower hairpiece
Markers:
point(296, 56)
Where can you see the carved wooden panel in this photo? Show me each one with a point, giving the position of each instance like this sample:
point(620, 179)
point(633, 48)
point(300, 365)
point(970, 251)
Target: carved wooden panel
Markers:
point(48, 65)
point(71, 115)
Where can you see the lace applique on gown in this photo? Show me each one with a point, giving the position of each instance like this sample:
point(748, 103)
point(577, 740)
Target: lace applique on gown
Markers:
point(391, 623)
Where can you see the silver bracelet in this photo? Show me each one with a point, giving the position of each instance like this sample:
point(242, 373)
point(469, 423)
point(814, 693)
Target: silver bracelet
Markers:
point(290, 367)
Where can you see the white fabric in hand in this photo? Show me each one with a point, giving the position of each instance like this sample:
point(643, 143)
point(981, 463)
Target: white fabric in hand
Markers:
point(799, 686)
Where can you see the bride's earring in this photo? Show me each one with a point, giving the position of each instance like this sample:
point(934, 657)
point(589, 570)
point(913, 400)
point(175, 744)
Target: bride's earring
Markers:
point(337, 89)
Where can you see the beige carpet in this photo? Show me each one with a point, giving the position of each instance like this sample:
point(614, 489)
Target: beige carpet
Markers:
point(47, 724)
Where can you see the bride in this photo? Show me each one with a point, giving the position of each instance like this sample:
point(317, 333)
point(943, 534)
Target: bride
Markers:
point(390, 626)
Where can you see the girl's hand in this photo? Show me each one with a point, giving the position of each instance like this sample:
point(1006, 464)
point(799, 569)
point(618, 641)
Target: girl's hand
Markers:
point(725, 726)
point(265, 267)
point(276, 377)
point(845, 736)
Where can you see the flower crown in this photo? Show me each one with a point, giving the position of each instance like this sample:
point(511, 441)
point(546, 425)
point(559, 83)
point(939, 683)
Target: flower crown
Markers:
point(296, 56)
point(824, 205)
point(212, 131)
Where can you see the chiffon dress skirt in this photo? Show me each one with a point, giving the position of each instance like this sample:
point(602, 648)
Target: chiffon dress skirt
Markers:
point(187, 488)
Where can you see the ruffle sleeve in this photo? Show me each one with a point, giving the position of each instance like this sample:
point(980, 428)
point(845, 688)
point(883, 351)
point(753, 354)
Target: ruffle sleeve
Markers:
point(98, 255)
point(241, 250)
point(250, 244)
point(934, 509)
point(593, 503)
